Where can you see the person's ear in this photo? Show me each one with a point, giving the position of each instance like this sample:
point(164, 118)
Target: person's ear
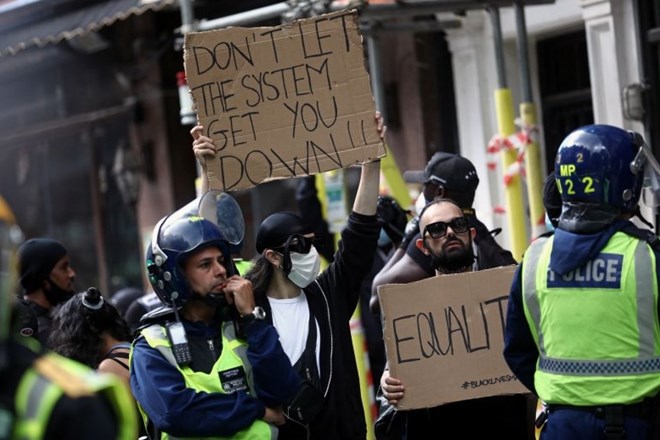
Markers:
point(274, 258)
point(421, 246)
point(473, 233)
point(45, 284)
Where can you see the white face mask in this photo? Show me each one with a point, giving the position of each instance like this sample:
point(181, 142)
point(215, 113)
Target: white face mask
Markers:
point(420, 203)
point(304, 267)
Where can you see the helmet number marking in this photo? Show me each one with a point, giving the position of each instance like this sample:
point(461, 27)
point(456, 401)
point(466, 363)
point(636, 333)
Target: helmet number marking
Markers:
point(588, 185)
point(587, 181)
point(569, 187)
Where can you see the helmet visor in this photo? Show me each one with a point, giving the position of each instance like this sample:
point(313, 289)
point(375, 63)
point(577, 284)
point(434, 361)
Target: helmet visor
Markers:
point(220, 209)
point(223, 210)
point(650, 196)
point(651, 188)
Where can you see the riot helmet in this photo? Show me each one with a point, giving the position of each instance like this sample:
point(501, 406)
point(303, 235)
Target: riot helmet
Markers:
point(171, 243)
point(600, 172)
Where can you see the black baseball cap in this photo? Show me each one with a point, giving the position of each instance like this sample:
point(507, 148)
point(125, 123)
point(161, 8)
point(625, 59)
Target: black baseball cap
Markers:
point(450, 171)
point(276, 228)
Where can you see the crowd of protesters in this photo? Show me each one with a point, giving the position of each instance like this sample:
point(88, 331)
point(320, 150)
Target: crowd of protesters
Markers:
point(266, 352)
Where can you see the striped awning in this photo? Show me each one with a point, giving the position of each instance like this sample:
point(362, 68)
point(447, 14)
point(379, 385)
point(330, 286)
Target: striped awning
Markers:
point(75, 23)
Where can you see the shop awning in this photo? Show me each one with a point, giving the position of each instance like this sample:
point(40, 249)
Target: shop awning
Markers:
point(75, 23)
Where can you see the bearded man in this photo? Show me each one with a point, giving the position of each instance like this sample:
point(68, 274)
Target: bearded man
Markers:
point(47, 279)
point(447, 238)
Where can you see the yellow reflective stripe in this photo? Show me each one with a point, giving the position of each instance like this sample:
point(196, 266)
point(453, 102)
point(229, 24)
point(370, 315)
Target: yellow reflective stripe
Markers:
point(530, 298)
point(36, 397)
point(122, 402)
point(23, 391)
point(156, 338)
point(646, 306)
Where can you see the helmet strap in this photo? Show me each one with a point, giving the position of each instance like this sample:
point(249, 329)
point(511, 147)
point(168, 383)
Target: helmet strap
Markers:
point(585, 218)
point(637, 213)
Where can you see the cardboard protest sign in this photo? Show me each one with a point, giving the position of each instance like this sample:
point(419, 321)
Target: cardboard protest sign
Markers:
point(284, 101)
point(444, 337)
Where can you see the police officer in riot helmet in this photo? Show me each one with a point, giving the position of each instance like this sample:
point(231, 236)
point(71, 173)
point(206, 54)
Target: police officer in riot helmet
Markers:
point(209, 365)
point(582, 328)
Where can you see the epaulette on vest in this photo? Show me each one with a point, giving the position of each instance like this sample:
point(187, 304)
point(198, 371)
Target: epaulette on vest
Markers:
point(72, 384)
point(158, 312)
point(156, 316)
point(643, 234)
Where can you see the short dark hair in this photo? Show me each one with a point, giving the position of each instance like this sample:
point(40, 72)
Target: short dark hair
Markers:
point(437, 201)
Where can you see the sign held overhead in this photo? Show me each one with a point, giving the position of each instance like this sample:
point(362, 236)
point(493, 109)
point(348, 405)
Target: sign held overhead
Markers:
point(285, 101)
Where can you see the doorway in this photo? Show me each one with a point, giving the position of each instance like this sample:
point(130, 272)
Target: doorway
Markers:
point(565, 88)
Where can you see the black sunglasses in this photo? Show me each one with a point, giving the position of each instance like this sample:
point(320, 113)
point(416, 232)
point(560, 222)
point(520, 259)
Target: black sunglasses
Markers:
point(297, 243)
point(439, 229)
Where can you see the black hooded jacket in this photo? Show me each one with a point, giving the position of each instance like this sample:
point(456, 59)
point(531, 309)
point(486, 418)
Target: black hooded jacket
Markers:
point(332, 299)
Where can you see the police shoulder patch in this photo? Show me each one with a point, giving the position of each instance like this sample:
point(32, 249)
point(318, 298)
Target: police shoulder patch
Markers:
point(72, 383)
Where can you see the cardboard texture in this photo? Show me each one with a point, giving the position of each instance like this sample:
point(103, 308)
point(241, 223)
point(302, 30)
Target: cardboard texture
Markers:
point(284, 101)
point(444, 337)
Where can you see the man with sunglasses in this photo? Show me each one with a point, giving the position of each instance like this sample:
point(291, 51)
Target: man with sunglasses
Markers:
point(447, 241)
point(447, 237)
point(451, 176)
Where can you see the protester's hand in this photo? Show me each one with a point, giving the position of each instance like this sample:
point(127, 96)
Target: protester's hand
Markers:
point(392, 388)
point(203, 146)
point(274, 416)
point(380, 125)
point(239, 291)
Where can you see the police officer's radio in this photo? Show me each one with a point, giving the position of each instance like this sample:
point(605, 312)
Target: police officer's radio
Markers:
point(179, 342)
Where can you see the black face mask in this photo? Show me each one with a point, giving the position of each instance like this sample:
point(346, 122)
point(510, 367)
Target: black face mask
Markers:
point(456, 260)
point(56, 295)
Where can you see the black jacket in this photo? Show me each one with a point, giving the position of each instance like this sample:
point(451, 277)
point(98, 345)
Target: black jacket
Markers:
point(332, 299)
